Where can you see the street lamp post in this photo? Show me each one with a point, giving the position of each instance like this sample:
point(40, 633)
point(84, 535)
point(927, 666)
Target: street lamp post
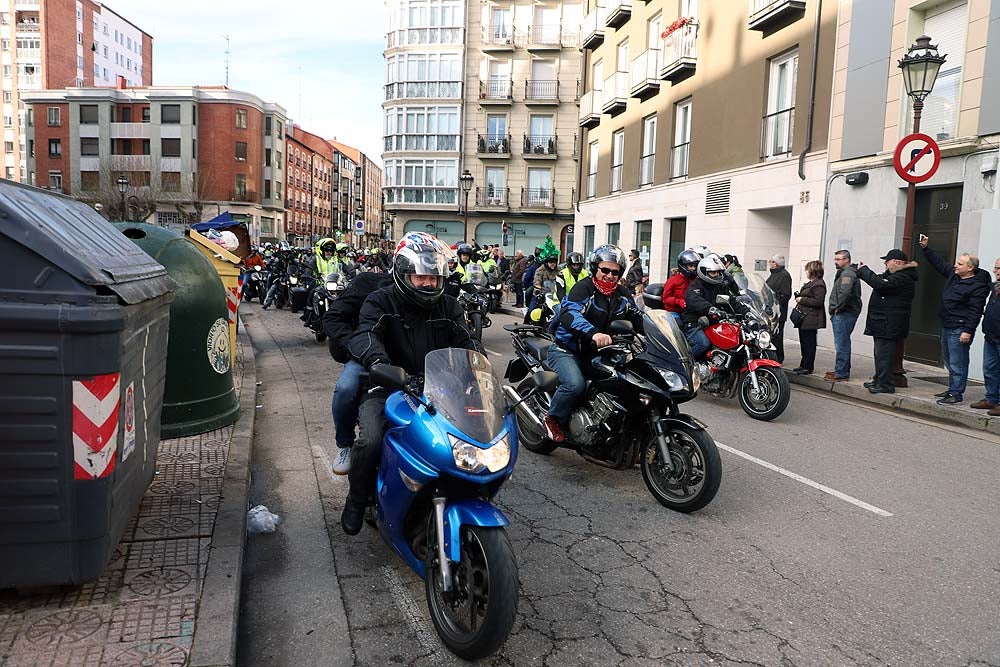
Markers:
point(920, 67)
point(122, 189)
point(466, 180)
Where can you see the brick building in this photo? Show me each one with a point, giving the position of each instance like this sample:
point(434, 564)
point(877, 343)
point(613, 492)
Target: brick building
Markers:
point(365, 195)
point(49, 44)
point(309, 187)
point(187, 153)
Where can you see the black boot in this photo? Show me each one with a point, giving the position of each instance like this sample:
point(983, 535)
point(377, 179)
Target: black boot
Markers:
point(352, 519)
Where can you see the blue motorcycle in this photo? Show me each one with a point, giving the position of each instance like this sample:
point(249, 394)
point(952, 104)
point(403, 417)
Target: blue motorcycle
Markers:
point(450, 445)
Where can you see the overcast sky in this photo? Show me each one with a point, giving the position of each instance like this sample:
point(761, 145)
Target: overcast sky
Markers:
point(330, 50)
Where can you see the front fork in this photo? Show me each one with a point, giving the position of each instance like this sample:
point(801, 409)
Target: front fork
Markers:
point(662, 441)
point(443, 565)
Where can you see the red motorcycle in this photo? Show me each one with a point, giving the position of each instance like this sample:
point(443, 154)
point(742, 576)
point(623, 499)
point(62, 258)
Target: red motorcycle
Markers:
point(740, 361)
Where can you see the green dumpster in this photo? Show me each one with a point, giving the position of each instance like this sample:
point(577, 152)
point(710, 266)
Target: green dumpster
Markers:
point(199, 394)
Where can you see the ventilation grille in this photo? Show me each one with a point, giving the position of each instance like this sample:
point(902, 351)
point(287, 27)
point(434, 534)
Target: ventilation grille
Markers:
point(717, 197)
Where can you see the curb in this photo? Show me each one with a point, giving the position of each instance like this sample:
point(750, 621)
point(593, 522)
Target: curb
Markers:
point(215, 634)
point(901, 402)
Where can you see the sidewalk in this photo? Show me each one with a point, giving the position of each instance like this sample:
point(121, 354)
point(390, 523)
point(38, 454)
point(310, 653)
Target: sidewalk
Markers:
point(918, 398)
point(170, 595)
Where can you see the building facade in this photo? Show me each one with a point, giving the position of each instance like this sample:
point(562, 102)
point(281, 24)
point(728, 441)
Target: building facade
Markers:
point(705, 123)
point(186, 153)
point(371, 201)
point(309, 187)
point(489, 88)
point(50, 44)
point(958, 207)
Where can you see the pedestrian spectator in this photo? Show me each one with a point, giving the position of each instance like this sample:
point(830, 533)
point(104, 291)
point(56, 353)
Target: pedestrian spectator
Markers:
point(528, 283)
point(991, 348)
point(845, 308)
point(633, 274)
point(888, 320)
point(780, 282)
point(810, 300)
point(517, 269)
point(962, 300)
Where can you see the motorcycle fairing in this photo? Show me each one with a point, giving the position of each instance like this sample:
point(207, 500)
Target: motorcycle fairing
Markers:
point(467, 512)
point(757, 363)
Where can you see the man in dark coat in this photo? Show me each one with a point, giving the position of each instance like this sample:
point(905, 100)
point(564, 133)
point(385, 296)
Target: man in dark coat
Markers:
point(845, 309)
point(991, 348)
point(962, 301)
point(517, 269)
point(888, 313)
point(634, 273)
point(780, 282)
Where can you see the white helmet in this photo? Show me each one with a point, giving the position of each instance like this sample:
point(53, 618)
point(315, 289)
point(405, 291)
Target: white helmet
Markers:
point(714, 264)
point(701, 251)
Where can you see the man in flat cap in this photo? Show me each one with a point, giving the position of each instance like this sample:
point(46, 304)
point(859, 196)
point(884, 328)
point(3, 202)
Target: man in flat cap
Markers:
point(888, 313)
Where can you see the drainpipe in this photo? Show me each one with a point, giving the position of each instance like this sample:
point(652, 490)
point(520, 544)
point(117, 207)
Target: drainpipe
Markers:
point(996, 182)
point(812, 92)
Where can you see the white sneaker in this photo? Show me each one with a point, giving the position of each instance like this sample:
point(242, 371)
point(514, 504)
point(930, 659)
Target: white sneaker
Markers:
point(342, 464)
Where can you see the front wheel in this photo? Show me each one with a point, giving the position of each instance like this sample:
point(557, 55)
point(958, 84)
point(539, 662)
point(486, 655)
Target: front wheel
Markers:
point(696, 469)
point(476, 616)
point(476, 323)
point(771, 396)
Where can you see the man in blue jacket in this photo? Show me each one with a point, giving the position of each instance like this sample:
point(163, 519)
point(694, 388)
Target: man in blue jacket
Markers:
point(962, 301)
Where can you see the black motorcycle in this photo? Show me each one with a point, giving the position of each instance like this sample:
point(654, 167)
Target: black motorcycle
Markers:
point(301, 283)
point(629, 412)
point(253, 284)
point(279, 293)
point(322, 296)
point(475, 299)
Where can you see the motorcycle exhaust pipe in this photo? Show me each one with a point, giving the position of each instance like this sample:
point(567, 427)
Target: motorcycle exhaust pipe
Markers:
point(523, 411)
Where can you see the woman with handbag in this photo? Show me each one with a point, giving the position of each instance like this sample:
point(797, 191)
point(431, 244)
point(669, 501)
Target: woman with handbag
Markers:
point(809, 315)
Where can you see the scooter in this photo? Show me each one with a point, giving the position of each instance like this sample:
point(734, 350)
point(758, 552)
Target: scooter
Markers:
point(450, 445)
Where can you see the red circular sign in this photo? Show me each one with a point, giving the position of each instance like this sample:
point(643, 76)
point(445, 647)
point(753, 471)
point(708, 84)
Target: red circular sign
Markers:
point(917, 158)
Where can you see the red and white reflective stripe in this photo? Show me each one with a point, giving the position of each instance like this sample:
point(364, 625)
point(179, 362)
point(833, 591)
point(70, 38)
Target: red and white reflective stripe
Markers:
point(95, 425)
point(233, 302)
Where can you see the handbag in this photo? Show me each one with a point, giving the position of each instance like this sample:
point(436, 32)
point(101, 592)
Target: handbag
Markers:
point(797, 317)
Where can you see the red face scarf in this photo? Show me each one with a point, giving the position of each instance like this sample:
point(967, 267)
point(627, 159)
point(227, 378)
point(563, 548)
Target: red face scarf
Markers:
point(605, 287)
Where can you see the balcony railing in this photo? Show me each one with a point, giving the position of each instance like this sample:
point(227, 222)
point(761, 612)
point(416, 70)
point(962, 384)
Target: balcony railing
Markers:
point(498, 36)
point(450, 35)
point(493, 144)
point(679, 155)
point(680, 53)
point(537, 198)
point(28, 26)
point(616, 177)
point(541, 37)
point(768, 15)
point(29, 54)
point(496, 90)
point(423, 89)
point(776, 133)
point(644, 79)
point(618, 12)
point(540, 145)
point(540, 90)
point(590, 108)
point(420, 195)
point(592, 33)
point(243, 196)
point(421, 142)
point(615, 93)
point(492, 197)
point(646, 164)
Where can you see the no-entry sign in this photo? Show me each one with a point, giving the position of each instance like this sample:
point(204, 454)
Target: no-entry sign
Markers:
point(917, 158)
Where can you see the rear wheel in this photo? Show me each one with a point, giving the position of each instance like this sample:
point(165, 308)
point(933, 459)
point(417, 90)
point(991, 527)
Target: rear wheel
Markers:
point(695, 469)
point(528, 434)
point(476, 323)
point(771, 396)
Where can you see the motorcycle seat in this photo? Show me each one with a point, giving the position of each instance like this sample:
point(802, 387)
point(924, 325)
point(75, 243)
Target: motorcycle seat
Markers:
point(539, 347)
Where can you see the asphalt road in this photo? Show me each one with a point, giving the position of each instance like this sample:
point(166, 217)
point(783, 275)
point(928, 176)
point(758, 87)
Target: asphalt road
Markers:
point(841, 535)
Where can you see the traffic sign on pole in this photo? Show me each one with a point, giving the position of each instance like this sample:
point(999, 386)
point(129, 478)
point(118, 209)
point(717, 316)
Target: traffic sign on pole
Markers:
point(917, 158)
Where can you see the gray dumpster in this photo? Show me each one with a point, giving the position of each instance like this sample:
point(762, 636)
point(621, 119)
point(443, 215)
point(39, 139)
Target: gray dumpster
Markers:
point(84, 317)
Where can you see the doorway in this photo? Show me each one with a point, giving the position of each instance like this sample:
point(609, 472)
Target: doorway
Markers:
point(936, 215)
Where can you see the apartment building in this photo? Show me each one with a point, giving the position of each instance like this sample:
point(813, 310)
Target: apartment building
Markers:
point(190, 152)
point(705, 123)
point(488, 88)
point(346, 178)
point(959, 207)
point(50, 44)
point(310, 200)
point(370, 186)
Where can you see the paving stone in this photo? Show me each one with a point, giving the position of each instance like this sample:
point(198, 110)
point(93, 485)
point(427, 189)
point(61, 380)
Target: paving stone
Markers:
point(168, 553)
point(182, 487)
point(105, 590)
point(147, 620)
point(213, 470)
point(171, 458)
point(62, 628)
point(167, 527)
point(162, 653)
point(167, 505)
point(78, 656)
point(159, 582)
point(209, 456)
point(178, 471)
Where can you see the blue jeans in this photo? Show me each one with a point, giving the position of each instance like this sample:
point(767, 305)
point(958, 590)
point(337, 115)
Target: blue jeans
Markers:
point(699, 341)
point(843, 327)
point(991, 369)
point(955, 355)
point(345, 403)
point(571, 383)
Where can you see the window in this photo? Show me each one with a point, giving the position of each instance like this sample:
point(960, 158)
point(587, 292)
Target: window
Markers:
point(622, 64)
point(648, 159)
point(267, 126)
point(8, 97)
point(539, 192)
point(90, 180)
point(125, 114)
point(776, 140)
point(79, 38)
point(170, 147)
point(145, 114)
point(171, 181)
point(279, 129)
point(55, 116)
point(79, 62)
point(496, 186)
point(681, 150)
point(6, 71)
point(88, 114)
point(5, 44)
point(241, 185)
point(55, 148)
point(948, 24)
point(90, 146)
point(105, 55)
point(588, 240)
point(8, 147)
point(145, 146)
point(267, 157)
point(241, 151)
point(55, 180)
point(170, 114)
point(5, 18)
point(8, 121)
point(617, 160)
point(241, 119)
point(614, 232)
point(267, 189)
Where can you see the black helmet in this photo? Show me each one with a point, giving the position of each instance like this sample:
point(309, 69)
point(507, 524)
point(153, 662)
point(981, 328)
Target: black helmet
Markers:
point(574, 259)
point(606, 253)
point(688, 258)
point(464, 249)
point(712, 263)
point(420, 254)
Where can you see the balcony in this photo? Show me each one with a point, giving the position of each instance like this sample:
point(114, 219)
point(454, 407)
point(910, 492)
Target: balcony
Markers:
point(590, 109)
point(644, 81)
point(679, 157)
point(130, 130)
point(493, 145)
point(593, 28)
point(770, 15)
point(130, 162)
point(406, 196)
point(446, 90)
point(28, 26)
point(496, 91)
point(776, 134)
point(421, 142)
point(615, 94)
point(540, 199)
point(244, 196)
point(498, 38)
point(448, 35)
point(493, 198)
point(545, 38)
point(541, 92)
point(618, 12)
point(540, 146)
point(680, 54)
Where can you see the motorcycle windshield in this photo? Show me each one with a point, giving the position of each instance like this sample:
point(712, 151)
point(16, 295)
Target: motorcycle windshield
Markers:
point(476, 275)
point(461, 386)
point(756, 294)
point(666, 342)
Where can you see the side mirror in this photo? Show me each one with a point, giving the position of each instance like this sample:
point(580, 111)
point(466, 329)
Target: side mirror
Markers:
point(621, 328)
point(544, 381)
point(722, 299)
point(390, 377)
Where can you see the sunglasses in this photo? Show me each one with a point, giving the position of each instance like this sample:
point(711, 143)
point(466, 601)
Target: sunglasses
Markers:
point(605, 270)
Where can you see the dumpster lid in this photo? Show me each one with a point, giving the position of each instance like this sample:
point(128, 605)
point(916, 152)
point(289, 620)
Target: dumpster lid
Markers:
point(215, 248)
point(74, 237)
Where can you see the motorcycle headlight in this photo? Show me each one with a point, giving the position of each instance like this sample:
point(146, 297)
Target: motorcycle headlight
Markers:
point(293, 280)
point(764, 339)
point(331, 287)
point(470, 458)
point(673, 380)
